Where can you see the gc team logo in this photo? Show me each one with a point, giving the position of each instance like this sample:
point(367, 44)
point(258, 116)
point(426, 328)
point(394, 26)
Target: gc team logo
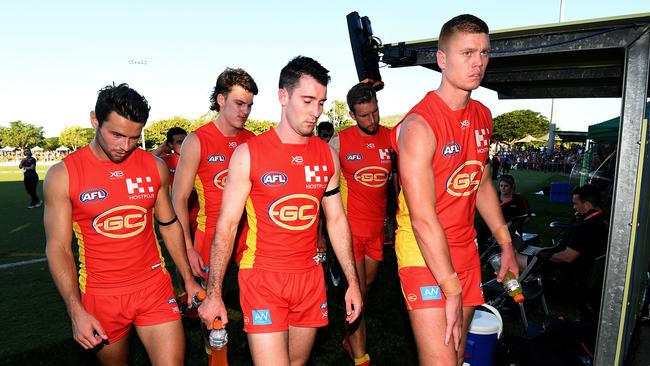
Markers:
point(274, 179)
point(294, 212)
point(219, 179)
point(93, 195)
point(372, 176)
point(463, 181)
point(121, 222)
point(412, 297)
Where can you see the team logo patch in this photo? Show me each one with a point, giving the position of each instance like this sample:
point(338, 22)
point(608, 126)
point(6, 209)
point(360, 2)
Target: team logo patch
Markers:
point(121, 222)
point(274, 179)
point(353, 157)
point(411, 297)
point(451, 149)
point(372, 176)
point(295, 211)
point(219, 179)
point(216, 158)
point(262, 317)
point(93, 195)
point(430, 293)
point(465, 179)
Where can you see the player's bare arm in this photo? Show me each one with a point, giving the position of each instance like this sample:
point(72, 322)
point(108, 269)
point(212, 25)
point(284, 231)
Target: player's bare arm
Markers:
point(340, 236)
point(417, 145)
point(487, 204)
point(235, 193)
point(57, 219)
point(171, 230)
point(184, 177)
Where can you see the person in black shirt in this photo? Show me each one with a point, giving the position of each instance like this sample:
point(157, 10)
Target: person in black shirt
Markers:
point(28, 165)
point(513, 205)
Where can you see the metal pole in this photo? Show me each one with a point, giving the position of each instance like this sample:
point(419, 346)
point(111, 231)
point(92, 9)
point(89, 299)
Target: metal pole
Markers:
point(144, 63)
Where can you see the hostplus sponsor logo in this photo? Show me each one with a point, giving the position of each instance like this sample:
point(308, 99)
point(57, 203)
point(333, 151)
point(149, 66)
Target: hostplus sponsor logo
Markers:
point(93, 195)
point(451, 149)
point(262, 317)
point(384, 155)
point(482, 140)
point(316, 176)
point(274, 179)
point(140, 188)
point(430, 293)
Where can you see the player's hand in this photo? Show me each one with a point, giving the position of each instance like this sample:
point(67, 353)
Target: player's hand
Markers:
point(192, 288)
point(196, 263)
point(87, 330)
point(454, 316)
point(508, 263)
point(211, 309)
point(353, 303)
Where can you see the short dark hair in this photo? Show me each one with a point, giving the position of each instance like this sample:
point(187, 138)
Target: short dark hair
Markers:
point(324, 126)
point(507, 178)
point(225, 82)
point(173, 132)
point(588, 193)
point(464, 23)
point(299, 66)
point(122, 100)
point(359, 94)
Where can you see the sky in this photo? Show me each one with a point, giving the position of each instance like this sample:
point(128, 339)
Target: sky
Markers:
point(56, 55)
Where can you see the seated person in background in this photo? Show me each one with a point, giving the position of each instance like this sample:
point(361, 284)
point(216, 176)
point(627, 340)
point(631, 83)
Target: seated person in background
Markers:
point(512, 204)
point(573, 260)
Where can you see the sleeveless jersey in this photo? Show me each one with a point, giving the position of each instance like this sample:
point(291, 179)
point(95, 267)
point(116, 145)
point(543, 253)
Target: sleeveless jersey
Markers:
point(216, 150)
point(365, 166)
point(112, 218)
point(171, 160)
point(288, 183)
point(463, 143)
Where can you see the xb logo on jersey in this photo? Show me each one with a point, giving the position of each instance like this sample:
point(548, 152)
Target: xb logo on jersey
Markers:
point(372, 176)
point(465, 179)
point(294, 212)
point(219, 179)
point(121, 222)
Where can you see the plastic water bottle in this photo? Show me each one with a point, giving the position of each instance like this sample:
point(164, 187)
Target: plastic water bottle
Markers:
point(218, 340)
point(197, 299)
point(510, 282)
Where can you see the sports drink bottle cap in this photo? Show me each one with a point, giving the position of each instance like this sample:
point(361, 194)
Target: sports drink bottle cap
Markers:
point(518, 298)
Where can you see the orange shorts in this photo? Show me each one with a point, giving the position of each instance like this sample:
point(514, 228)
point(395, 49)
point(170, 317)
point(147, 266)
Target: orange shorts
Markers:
point(271, 301)
point(372, 247)
point(421, 290)
point(152, 305)
point(203, 243)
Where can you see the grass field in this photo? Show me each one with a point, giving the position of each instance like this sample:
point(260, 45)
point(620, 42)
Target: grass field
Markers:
point(36, 329)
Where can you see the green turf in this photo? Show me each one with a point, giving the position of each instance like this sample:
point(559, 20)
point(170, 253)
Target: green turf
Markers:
point(36, 329)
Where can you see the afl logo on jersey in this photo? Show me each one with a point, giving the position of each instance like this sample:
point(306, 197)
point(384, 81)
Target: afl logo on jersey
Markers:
point(450, 150)
point(121, 222)
point(294, 212)
point(274, 179)
point(353, 157)
point(219, 179)
point(216, 158)
point(465, 179)
point(372, 176)
point(93, 195)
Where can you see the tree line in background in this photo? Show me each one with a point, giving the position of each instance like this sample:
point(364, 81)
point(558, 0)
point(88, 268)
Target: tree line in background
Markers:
point(507, 128)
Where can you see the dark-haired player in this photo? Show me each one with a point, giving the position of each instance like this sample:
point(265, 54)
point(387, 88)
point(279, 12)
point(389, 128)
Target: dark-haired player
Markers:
point(106, 193)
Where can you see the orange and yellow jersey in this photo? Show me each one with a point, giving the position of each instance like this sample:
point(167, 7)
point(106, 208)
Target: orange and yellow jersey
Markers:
point(288, 183)
point(171, 160)
point(216, 150)
point(462, 146)
point(112, 218)
point(365, 167)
